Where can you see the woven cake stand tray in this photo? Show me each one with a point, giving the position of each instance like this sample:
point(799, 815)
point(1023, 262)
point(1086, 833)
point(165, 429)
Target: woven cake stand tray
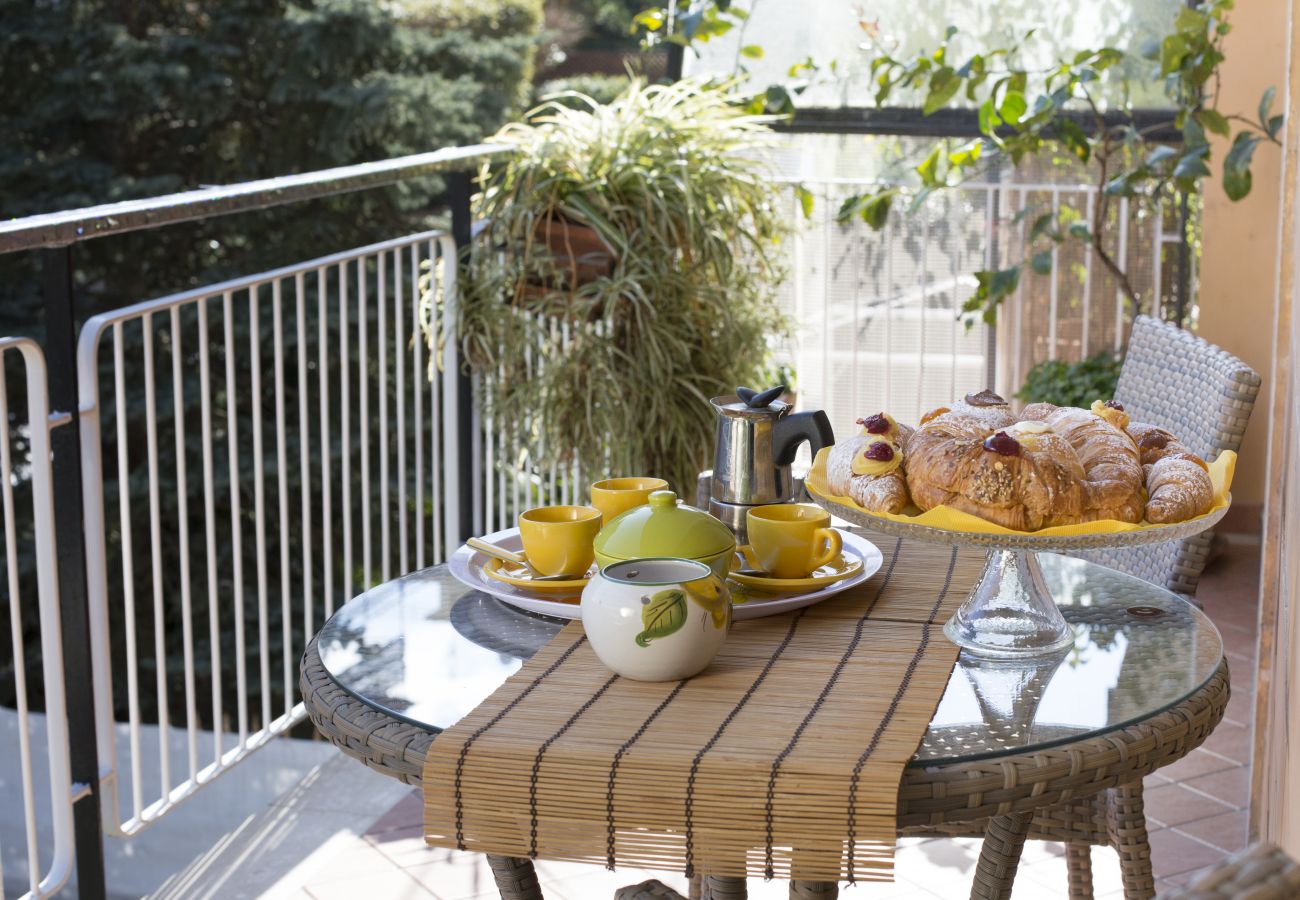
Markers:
point(1010, 613)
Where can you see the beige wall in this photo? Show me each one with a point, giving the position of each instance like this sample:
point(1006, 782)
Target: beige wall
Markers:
point(1238, 277)
point(1275, 791)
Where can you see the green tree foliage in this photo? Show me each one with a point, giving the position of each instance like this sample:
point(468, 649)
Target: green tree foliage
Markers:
point(1025, 113)
point(107, 101)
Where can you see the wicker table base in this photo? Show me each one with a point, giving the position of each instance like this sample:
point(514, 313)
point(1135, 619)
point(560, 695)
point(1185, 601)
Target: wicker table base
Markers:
point(1082, 793)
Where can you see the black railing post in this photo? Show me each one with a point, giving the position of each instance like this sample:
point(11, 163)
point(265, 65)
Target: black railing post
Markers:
point(70, 550)
point(459, 190)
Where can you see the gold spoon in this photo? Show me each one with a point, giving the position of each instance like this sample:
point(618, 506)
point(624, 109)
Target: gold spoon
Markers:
point(518, 559)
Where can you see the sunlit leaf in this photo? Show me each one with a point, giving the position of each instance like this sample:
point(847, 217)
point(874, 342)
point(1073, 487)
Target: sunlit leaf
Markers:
point(1236, 166)
point(1041, 262)
point(1044, 227)
point(1266, 105)
point(1013, 107)
point(805, 200)
point(944, 83)
point(751, 51)
point(929, 167)
point(1213, 121)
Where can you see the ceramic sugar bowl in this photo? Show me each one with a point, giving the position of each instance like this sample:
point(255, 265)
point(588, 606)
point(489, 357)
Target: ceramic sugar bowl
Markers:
point(658, 619)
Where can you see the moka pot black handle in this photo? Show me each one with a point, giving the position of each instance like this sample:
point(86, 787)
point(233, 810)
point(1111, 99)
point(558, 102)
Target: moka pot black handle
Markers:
point(791, 431)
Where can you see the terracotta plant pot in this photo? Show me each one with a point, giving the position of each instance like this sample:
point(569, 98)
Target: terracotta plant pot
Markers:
point(578, 253)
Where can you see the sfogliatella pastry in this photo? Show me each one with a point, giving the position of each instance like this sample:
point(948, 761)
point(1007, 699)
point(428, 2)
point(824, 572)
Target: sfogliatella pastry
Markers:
point(869, 467)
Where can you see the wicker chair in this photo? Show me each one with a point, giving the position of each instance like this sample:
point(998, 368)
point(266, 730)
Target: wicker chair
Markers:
point(1261, 872)
point(1204, 395)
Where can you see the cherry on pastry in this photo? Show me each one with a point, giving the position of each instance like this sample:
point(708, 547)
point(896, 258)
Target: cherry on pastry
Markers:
point(879, 451)
point(877, 424)
point(1002, 444)
point(1114, 404)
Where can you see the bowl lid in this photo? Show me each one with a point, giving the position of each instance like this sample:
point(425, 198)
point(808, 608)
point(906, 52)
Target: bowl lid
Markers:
point(664, 528)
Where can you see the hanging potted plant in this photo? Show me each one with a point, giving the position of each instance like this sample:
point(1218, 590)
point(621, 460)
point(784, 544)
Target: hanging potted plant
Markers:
point(625, 275)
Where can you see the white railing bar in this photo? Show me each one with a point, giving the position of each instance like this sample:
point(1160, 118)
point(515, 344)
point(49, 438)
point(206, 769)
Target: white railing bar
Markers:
point(1087, 279)
point(857, 249)
point(1020, 294)
point(381, 350)
point(363, 395)
point(925, 284)
point(259, 502)
point(282, 493)
point(128, 571)
point(304, 457)
point(990, 225)
point(18, 642)
point(155, 543)
point(418, 337)
point(956, 307)
point(209, 528)
point(1123, 261)
point(326, 474)
point(964, 186)
point(450, 401)
point(1056, 280)
point(47, 595)
point(1156, 247)
point(891, 229)
point(437, 482)
point(827, 268)
point(236, 524)
point(399, 356)
point(183, 538)
point(345, 397)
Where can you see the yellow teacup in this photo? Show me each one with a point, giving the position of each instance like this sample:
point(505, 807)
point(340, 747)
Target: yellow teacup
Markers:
point(790, 540)
point(558, 539)
point(617, 495)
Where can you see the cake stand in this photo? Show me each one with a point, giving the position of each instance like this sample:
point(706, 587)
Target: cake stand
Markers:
point(1010, 612)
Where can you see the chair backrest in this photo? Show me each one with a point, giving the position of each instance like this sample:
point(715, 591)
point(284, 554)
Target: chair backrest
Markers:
point(1201, 393)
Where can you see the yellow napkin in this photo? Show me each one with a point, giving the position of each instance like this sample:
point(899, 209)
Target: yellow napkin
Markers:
point(945, 517)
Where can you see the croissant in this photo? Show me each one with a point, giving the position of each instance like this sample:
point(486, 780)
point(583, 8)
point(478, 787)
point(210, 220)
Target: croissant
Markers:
point(1111, 466)
point(1022, 476)
point(868, 467)
point(1179, 488)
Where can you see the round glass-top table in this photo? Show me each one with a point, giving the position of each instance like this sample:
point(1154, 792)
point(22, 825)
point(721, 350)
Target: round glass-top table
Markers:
point(426, 650)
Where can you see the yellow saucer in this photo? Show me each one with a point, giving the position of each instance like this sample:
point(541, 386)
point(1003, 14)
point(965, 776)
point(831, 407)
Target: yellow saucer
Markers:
point(834, 571)
point(521, 577)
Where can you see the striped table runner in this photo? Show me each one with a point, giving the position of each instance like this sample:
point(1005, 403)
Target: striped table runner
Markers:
point(782, 759)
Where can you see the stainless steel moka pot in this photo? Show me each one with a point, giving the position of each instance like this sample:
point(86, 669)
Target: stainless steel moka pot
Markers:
point(757, 438)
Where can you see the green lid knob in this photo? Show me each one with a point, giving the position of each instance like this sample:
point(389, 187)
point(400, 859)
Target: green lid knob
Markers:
point(663, 499)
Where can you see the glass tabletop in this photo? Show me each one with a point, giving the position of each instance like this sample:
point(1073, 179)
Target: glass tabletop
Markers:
point(426, 649)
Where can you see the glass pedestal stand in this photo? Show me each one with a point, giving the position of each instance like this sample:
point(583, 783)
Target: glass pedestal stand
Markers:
point(1010, 613)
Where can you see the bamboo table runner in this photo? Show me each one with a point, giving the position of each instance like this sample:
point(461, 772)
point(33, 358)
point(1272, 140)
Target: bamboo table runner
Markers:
point(782, 759)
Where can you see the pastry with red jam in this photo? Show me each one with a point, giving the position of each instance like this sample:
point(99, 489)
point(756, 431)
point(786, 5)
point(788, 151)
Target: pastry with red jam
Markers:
point(869, 467)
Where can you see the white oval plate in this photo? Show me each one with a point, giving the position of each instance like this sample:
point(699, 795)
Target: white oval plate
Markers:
point(466, 564)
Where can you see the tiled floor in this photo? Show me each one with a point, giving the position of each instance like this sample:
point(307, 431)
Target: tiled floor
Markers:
point(1196, 812)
